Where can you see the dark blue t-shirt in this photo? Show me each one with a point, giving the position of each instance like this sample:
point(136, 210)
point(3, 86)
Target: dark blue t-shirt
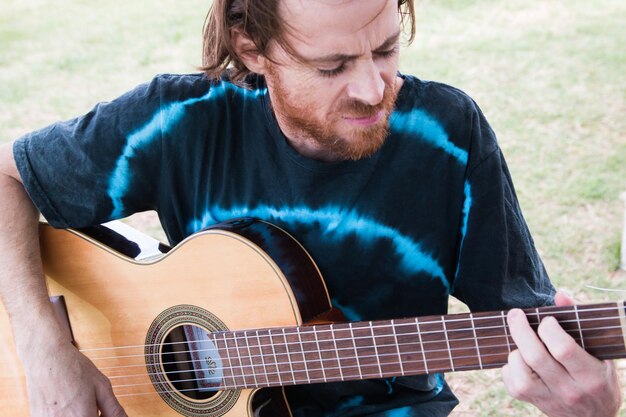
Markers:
point(433, 213)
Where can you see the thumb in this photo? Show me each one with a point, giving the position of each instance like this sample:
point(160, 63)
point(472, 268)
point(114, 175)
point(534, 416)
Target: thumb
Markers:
point(562, 299)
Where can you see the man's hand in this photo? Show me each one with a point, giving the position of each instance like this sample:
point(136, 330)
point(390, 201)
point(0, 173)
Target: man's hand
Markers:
point(63, 382)
point(552, 372)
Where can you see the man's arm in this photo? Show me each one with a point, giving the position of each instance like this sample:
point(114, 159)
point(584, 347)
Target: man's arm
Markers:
point(60, 380)
point(552, 372)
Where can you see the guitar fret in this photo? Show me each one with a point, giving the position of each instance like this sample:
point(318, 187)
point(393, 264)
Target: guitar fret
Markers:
point(280, 379)
point(622, 319)
point(332, 332)
point(387, 348)
point(266, 346)
point(225, 357)
point(580, 330)
point(569, 319)
point(380, 368)
point(491, 339)
point(282, 357)
point(306, 367)
point(480, 359)
point(603, 332)
point(296, 356)
point(329, 354)
point(436, 350)
point(445, 333)
point(293, 374)
point(506, 331)
point(422, 348)
point(312, 356)
point(230, 362)
point(395, 338)
point(319, 352)
point(240, 358)
point(248, 355)
point(356, 354)
point(462, 341)
point(538, 318)
point(409, 346)
point(258, 338)
point(366, 352)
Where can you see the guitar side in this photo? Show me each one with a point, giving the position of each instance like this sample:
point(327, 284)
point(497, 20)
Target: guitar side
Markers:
point(234, 271)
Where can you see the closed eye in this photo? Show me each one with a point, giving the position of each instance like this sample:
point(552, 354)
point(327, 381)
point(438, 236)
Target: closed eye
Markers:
point(333, 72)
point(341, 68)
point(388, 53)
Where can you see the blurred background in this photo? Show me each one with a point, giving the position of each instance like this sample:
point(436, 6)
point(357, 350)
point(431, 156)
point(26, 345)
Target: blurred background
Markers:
point(549, 75)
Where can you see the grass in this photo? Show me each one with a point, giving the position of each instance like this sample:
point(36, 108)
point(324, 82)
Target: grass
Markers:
point(549, 75)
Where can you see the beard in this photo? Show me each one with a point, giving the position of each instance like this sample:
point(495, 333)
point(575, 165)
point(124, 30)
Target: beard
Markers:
point(351, 144)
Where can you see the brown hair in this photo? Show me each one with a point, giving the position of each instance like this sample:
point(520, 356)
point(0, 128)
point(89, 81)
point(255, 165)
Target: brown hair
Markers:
point(260, 21)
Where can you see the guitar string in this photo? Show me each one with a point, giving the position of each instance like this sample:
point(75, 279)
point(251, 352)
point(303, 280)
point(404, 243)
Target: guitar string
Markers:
point(246, 337)
point(533, 314)
point(237, 336)
point(380, 325)
point(574, 333)
point(288, 344)
point(159, 391)
point(321, 359)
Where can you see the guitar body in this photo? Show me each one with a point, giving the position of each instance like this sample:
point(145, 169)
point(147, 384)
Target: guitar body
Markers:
point(219, 324)
point(115, 301)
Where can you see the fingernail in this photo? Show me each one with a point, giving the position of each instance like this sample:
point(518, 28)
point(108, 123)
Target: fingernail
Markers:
point(515, 314)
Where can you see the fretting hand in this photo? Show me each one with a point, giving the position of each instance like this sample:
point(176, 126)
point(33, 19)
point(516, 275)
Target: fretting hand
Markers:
point(555, 374)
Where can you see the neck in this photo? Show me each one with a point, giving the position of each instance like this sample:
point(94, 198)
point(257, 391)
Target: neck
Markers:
point(382, 349)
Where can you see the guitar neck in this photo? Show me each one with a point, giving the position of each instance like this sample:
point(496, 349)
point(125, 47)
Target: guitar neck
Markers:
point(381, 349)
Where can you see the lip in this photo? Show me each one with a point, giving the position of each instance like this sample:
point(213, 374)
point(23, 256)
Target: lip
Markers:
point(366, 121)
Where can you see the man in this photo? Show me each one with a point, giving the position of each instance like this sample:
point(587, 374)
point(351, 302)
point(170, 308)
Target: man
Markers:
point(396, 186)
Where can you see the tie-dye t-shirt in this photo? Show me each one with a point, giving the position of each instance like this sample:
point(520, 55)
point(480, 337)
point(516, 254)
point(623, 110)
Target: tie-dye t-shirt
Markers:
point(433, 213)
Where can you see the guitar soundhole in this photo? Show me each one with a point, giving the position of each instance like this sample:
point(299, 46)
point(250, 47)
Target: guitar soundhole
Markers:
point(191, 362)
point(184, 363)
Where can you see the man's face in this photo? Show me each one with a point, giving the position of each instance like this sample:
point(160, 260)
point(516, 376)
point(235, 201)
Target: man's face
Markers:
point(336, 104)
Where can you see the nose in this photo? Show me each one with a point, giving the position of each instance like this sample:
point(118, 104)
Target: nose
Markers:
point(368, 85)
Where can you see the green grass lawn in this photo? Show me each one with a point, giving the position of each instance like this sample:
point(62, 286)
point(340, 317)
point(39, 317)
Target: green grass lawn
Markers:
point(549, 75)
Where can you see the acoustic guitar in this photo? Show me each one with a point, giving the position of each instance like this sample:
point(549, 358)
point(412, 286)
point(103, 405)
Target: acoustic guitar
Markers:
point(240, 309)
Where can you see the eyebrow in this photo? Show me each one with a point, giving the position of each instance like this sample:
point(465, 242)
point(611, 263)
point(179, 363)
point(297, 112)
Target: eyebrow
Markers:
point(333, 58)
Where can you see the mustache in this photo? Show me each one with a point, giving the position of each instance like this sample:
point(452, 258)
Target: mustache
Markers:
point(358, 109)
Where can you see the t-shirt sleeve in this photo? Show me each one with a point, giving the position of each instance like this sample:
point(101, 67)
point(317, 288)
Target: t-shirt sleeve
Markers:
point(98, 167)
point(498, 264)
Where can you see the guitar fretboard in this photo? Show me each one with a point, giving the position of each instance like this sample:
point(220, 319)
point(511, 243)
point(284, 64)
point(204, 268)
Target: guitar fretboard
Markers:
point(381, 349)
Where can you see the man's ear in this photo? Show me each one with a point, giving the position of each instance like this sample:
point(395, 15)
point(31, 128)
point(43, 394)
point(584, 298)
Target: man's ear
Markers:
point(247, 52)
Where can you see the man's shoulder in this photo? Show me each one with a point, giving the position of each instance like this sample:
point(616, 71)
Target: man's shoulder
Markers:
point(434, 93)
point(179, 86)
point(189, 85)
point(449, 106)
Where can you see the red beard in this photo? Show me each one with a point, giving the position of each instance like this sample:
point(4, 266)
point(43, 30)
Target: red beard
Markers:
point(360, 142)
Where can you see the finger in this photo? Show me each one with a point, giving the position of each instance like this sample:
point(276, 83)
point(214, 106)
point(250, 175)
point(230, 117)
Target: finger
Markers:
point(521, 382)
point(565, 350)
point(562, 299)
point(533, 351)
point(108, 405)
